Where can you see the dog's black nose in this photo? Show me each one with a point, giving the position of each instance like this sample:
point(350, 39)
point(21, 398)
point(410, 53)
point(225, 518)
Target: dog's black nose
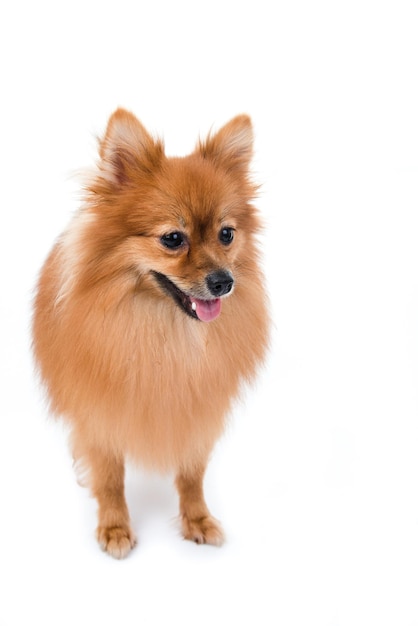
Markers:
point(219, 283)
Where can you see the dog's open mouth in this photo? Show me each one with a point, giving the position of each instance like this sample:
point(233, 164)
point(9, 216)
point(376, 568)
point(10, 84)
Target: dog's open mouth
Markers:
point(203, 310)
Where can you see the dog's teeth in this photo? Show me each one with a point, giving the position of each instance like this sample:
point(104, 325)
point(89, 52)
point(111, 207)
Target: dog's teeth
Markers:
point(194, 306)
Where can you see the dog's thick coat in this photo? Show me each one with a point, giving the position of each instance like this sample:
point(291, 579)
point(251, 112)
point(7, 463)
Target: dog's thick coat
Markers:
point(150, 312)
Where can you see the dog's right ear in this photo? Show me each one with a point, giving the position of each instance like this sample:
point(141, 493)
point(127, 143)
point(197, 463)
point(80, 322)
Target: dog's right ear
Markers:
point(128, 149)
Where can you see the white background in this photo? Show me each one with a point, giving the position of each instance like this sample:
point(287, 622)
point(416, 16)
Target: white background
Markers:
point(316, 480)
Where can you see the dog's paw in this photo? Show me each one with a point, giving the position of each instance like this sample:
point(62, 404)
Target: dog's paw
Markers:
point(117, 541)
point(203, 530)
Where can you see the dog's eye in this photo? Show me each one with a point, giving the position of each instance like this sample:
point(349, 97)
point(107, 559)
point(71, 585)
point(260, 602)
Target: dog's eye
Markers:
point(226, 235)
point(172, 240)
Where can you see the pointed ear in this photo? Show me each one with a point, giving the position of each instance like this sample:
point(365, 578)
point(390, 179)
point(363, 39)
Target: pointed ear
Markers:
point(127, 148)
point(232, 145)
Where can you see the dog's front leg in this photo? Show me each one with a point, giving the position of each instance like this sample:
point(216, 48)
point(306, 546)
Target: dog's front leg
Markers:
point(197, 523)
point(107, 474)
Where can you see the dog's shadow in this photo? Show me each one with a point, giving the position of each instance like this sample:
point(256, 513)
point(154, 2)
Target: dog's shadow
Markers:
point(152, 499)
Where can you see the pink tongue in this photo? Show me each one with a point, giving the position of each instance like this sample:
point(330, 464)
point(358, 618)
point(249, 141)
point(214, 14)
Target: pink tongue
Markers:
point(207, 310)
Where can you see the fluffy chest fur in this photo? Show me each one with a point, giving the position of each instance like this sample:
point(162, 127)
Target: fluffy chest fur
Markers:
point(132, 369)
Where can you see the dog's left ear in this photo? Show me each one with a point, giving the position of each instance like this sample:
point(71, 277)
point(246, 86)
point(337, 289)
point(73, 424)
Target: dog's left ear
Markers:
point(231, 146)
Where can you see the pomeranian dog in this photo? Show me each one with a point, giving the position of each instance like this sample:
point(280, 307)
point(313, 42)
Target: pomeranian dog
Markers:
point(150, 313)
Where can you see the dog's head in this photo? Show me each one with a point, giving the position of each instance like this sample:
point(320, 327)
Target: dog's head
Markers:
point(183, 226)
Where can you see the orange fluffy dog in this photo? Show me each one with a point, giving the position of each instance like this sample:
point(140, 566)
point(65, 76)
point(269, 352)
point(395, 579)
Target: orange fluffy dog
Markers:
point(150, 313)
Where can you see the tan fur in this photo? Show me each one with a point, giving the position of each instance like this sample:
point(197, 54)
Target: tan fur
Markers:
point(134, 375)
